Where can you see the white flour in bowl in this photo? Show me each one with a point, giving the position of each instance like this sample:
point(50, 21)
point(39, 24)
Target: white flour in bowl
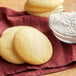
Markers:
point(64, 22)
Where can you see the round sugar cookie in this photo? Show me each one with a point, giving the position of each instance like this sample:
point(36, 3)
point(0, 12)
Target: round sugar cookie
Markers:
point(45, 3)
point(60, 8)
point(32, 46)
point(30, 8)
point(7, 51)
point(45, 14)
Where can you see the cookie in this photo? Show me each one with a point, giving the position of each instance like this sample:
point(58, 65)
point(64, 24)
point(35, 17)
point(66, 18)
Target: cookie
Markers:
point(60, 8)
point(32, 46)
point(43, 8)
point(35, 9)
point(46, 14)
point(46, 3)
point(6, 44)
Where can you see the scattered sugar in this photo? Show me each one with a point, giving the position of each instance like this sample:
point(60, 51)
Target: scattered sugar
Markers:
point(64, 22)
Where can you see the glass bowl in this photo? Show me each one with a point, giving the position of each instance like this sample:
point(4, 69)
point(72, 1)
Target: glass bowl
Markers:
point(63, 27)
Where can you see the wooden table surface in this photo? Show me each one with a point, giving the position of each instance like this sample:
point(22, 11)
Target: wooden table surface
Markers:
point(19, 6)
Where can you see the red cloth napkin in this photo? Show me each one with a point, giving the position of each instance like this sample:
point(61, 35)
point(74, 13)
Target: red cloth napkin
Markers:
point(63, 54)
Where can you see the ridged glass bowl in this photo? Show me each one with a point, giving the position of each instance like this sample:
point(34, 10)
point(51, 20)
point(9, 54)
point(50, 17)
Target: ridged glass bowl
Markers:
point(60, 27)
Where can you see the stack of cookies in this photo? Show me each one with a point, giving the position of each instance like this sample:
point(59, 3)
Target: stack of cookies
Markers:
point(43, 7)
point(25, 44)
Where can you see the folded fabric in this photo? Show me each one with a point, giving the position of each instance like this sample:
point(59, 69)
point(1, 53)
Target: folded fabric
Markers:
point(63, 54)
